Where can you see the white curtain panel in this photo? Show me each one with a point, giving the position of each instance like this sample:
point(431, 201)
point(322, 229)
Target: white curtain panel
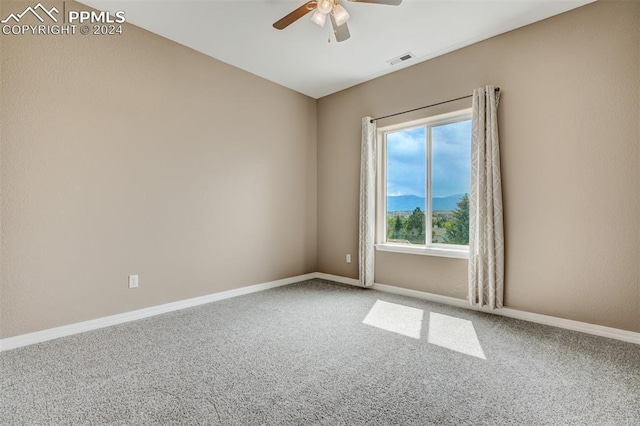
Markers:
point(486, 231)
point(366, 240)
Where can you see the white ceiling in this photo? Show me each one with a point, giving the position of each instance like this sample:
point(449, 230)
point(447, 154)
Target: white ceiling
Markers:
point(239, 32)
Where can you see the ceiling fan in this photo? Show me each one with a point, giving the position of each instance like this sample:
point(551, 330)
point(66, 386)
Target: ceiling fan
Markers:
point(337, 14)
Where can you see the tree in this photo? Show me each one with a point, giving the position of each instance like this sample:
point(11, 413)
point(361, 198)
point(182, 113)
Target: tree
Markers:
point(397, 228)
point(458, 233)
point(390, 221)
point(415, 226)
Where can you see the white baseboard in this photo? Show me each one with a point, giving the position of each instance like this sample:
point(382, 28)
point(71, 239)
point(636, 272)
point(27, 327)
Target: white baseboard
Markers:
point(67, 330)
point(597, 330)
point(338, 279)
point(81, 327)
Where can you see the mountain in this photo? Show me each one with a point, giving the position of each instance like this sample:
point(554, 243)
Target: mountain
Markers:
point(401, 203)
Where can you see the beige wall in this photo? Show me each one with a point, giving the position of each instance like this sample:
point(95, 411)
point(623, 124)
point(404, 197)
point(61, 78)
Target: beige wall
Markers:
point(134, 155)
point(570, 141)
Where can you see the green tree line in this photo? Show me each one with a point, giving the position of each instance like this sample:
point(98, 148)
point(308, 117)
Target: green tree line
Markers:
point(412, 228)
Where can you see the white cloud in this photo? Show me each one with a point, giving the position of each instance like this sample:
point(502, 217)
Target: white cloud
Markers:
point(406, 157)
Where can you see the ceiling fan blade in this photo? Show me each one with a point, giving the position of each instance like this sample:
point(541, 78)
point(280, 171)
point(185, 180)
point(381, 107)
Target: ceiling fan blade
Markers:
point(389, 2)
point(295, 15)
point(341, 32)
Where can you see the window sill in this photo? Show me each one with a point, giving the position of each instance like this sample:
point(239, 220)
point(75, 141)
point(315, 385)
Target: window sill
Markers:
point(425, 251)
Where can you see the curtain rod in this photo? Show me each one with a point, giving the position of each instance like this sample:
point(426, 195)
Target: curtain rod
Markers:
point(423, 107)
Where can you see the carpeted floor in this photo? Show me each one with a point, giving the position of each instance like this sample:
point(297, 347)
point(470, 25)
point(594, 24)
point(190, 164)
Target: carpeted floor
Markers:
point(301, 354)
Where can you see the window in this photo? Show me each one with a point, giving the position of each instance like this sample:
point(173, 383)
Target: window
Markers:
point(423, 186)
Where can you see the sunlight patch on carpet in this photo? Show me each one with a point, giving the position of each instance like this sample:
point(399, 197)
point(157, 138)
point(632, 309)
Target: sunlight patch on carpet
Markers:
point(395, 318)
point(454, 333)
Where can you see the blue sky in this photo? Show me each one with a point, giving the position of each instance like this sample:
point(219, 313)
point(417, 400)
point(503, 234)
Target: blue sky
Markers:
point(451, 160)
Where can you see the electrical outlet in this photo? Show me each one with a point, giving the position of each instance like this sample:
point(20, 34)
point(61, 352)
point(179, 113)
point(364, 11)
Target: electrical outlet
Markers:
point(348, 258)
point(133, 281)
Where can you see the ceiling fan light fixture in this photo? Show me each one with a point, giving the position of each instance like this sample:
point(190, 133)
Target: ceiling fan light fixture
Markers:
point(340, 14)
point(325, 6)
point(319, 18)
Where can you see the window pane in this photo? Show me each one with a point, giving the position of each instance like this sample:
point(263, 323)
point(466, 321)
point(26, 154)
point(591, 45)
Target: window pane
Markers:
point(451, 163)
point(406, 177)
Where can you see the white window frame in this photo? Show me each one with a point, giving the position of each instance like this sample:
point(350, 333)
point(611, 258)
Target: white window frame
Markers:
point(430, 249)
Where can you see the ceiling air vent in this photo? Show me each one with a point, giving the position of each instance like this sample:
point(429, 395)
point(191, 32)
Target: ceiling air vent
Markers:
point(401, 58)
